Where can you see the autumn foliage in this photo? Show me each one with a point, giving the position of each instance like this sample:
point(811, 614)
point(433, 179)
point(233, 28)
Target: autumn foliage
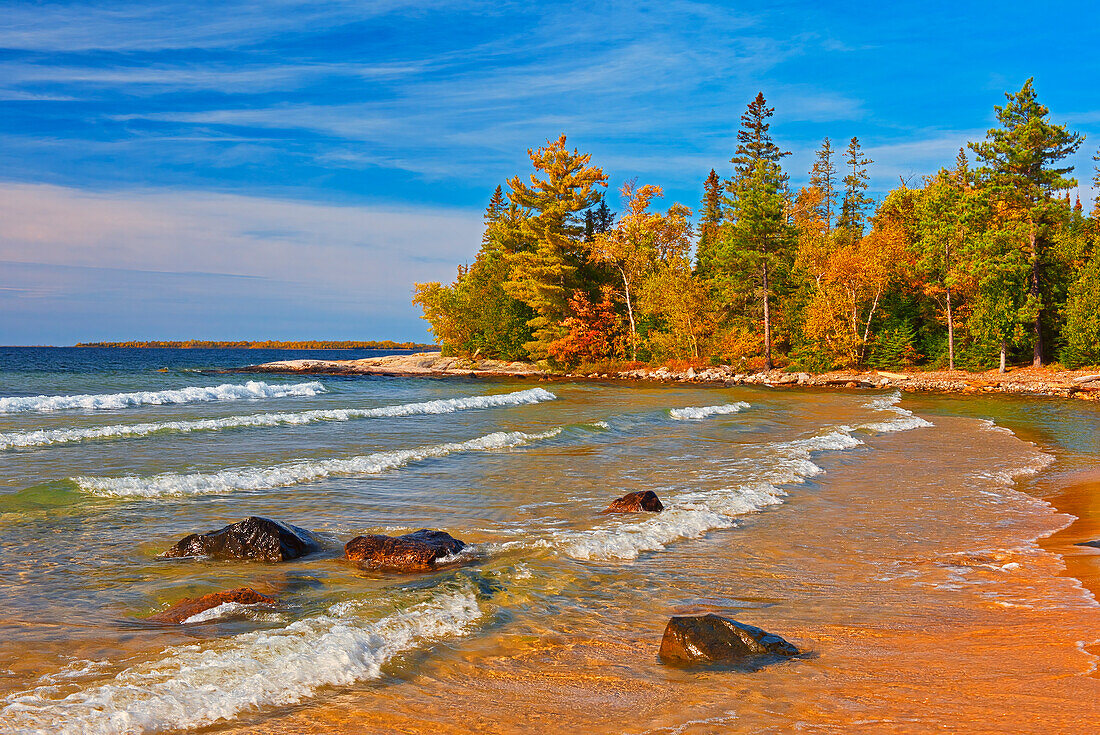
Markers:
point(973, 266)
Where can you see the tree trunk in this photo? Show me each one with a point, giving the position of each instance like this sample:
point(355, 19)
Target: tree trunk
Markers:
point(950, 335)
point(767, 319)
point(1037, 358)
point(630, 314)
point(1004, 351)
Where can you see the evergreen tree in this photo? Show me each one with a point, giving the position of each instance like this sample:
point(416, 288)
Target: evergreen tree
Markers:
point(545, 275)
point(823, 178)
point(754, 142)
point(710, 219)
point(853, 210)
point(757, 244)
point(1019, 166)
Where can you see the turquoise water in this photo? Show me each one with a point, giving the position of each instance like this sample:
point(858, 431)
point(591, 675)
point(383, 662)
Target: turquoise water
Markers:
point(821, 515)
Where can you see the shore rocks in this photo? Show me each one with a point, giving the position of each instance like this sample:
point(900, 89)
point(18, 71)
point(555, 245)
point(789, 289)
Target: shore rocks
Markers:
point(704, 639)
point(189, 607)
point(1094, 544)
point(636, 502)
point(413, 552)
point(261, 539)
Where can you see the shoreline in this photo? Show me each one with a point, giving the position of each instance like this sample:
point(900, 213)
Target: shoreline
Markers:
point(1077, 384)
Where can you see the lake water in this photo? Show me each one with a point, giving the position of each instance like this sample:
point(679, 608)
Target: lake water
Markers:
point(892, 538)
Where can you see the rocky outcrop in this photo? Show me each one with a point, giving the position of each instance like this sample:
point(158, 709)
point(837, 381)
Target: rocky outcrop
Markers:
point(260, 539)
point(189, 607)
point(413, 552)
point(636, 502)
point(705, 639)
point(1094, 544)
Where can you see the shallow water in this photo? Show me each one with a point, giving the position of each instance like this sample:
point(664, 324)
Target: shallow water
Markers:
point(893, 540)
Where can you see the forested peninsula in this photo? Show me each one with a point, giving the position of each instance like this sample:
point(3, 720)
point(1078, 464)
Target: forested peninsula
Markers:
point(984, 264)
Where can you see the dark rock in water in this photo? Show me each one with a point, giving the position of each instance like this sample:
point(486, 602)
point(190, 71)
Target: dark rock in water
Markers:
point(706, 639)
point(1095, 544)
point(188, 607)
point(635, 502)
point(413, 552)
point(253, 538)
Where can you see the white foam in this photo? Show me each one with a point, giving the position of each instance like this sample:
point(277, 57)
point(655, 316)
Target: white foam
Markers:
point(292, 473)
point(904, 420)
point(692, 514)
point(190, 394)
point(702, 412)
point(224, 611)
point(45, 437)
point(195, 685)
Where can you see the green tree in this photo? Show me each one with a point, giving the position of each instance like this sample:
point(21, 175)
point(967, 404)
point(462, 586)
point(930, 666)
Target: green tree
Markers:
point(754, 253)
point(754, 141)
point(823, 178)
point(709, 221)
point(545, 274)
point(1019, 166)
point(853, 208)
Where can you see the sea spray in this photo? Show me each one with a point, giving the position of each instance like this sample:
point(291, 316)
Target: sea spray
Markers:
point(195, 685)
point(190, 394)
point(293, 473)
point(46, 437)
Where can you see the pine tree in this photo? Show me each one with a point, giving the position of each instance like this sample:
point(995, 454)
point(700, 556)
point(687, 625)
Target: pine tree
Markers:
point(545, 275)
point(757, 243)
point(754, 142)
point(853, 209)
point(823, 178)
point(1019, 160)
point(710, 218)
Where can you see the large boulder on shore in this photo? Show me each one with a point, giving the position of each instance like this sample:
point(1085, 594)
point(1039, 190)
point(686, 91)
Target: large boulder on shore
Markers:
point(704, 639)
point(413, 552)
point(188, 607)
point(642, 500)
point(256, 538)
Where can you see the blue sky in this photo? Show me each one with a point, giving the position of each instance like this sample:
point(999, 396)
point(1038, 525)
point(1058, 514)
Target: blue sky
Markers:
point(287, 170)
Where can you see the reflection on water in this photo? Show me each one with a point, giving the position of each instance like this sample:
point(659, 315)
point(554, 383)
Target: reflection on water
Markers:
point(890, 540)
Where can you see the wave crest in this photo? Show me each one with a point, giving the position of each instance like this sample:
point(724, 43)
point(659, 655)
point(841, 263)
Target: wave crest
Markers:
point(190, 394)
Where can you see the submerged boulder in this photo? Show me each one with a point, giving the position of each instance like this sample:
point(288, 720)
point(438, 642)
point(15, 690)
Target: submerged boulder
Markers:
point(189, 607)
point(413, 552)
point(253, 538)
point(703, 639)
point(642, 500)
point(1095, 543)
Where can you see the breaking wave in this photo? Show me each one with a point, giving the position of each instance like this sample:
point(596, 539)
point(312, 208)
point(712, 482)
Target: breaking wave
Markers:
point(45, 437)
point(195, 685)
point(692, 514)
point(292, 473)
point(702, 412)
point(190, 394)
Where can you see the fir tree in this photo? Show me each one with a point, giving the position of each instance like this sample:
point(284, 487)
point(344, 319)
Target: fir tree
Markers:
point(853, 210)
point(1019, 165)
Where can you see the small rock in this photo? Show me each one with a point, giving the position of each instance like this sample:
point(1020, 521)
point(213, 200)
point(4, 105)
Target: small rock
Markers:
point(642, 500)
point(1095, 544)
point(413, 552)
point(691, 373)
point(714, 639)
point(189, 607)
point(253, 538)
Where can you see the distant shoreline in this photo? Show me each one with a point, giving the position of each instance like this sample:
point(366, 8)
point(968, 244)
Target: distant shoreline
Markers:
point(195, 344)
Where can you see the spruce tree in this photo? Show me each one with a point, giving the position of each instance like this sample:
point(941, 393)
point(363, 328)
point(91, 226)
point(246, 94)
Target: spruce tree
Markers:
point(709, 220)
point(1019, 166)
point(823, 178)
point(853, 210)
point(754, 142)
